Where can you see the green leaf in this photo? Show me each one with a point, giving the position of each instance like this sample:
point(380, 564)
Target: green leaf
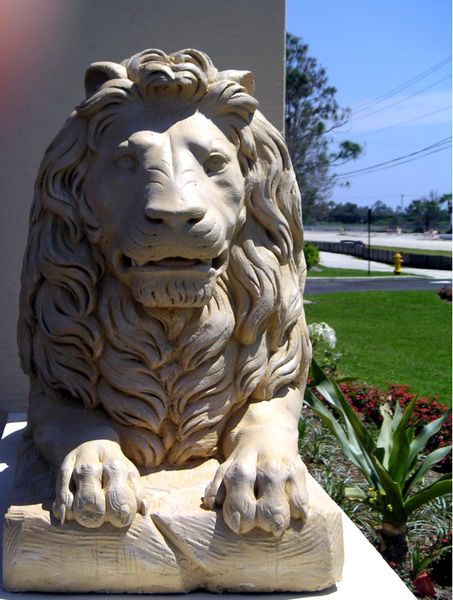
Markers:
point(406, 415)
point(424, 563)
point(385, 438)
point(326, 416)
point(379, 453)
point(397, 413)
point(346, 379)
point(350, 447)
point(302, 428)
point(355, 493)
point(345, 433)
point(398, 461)
point(332, 394)
point(430, 460)
point(399, 465)
point(394, 494)
point(420, 562)
point(438, 488)
point(317, 373)
point(395, 438)
point(427, 432)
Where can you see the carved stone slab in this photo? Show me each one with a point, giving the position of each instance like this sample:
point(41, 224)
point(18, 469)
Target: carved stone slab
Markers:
point(178, 547)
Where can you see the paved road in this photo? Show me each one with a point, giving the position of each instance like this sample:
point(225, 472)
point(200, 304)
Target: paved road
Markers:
point(317, 285)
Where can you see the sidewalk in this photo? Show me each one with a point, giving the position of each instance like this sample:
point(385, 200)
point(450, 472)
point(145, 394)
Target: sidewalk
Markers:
point(405, 240)
point(344, 261)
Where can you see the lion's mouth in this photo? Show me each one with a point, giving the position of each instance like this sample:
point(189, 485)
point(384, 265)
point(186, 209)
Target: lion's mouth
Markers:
point(175, 263)
point(172, 262)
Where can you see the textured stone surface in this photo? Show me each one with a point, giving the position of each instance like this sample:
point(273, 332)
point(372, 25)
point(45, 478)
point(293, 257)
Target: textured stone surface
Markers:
point(90, 30)
point(180, 547)
point(162, 326)
point(363, 563)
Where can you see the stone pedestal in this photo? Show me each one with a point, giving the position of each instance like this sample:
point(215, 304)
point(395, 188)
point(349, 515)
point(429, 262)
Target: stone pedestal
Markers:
point(179, 547)
point(365, 572)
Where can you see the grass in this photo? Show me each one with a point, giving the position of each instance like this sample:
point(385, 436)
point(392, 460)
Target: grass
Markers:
point(397, 337)
point(336, 272)
point(414, 250)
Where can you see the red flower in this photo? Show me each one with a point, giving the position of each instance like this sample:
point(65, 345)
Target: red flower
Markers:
point(423, 585)
point(366, 400)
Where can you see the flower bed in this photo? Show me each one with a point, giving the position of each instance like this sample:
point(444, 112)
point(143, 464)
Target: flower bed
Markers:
point(368, 399)
point(429, 533)
point(405, 498)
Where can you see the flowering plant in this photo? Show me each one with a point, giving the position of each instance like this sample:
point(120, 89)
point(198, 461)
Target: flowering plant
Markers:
point(392, 464)
point(421, 562)
point(367, 400)
point(323, 341)
point(322, 333)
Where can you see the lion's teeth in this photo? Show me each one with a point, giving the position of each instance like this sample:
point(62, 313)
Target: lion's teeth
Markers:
point(134, 262)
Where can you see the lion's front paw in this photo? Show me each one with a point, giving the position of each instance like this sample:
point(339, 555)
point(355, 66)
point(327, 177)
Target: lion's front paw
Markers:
point(97, 484)
point(259, 491)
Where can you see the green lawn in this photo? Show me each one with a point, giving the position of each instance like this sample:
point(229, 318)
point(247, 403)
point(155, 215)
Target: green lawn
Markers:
point(334, 272)
point(398, 337)
point(414, 250)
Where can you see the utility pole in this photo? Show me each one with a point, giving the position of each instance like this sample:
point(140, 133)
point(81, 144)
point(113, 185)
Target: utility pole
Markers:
point(402, 202)
point(369, 241)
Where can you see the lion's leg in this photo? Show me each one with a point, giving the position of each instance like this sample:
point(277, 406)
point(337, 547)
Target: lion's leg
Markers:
point(96, 483)
point(60, 425)
point(262, 481)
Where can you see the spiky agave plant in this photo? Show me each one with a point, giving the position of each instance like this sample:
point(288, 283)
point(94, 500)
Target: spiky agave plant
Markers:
point(393, 463)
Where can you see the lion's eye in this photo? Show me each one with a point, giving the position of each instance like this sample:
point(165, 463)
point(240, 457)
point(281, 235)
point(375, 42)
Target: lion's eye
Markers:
point(215, 163)
point(126, 161)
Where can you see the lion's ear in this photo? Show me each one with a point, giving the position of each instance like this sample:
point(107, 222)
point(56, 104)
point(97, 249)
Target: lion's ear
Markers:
point(244, 78)
point(100, 72)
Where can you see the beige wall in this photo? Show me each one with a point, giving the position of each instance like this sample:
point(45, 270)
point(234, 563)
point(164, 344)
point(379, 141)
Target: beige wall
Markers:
point(47, 45)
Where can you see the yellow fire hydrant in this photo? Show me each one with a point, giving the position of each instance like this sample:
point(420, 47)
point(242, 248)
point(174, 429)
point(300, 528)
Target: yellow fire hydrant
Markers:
point(398, 260)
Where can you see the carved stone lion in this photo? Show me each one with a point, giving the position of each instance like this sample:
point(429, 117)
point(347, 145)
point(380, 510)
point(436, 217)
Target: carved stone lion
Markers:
point(161, 318)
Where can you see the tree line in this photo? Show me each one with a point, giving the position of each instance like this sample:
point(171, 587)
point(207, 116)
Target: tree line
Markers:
point(424, 214)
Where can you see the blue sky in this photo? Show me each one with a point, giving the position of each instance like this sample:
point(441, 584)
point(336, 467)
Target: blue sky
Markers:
point(368, 48)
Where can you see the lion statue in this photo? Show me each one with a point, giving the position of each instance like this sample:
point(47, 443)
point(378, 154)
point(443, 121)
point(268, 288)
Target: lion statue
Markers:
point(161, 314)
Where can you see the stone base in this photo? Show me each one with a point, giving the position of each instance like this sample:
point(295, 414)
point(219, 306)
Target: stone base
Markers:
point(179, 547)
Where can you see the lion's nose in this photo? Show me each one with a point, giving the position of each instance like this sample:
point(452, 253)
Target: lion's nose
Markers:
point(174, 217)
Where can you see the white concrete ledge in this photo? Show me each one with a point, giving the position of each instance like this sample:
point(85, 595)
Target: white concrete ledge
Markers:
point(365, 576)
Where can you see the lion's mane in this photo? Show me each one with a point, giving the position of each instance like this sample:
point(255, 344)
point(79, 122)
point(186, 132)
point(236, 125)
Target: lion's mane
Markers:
point(170, 380)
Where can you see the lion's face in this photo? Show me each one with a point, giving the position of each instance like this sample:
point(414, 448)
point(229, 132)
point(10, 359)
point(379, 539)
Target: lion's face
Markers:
point(167, 192)
point(170, 172)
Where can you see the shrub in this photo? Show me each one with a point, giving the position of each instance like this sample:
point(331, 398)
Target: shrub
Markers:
point(393, 461)
point(323, 341)
point(367, 400)
point(311, 255)
point(445, 293)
